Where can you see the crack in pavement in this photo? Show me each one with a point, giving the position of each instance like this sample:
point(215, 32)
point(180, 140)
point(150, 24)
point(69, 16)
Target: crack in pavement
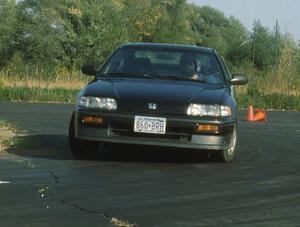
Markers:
point(113, 220)
point(55, 177)
point(42, 192)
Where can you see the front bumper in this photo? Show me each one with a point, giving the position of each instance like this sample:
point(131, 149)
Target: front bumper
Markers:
point(180, 132)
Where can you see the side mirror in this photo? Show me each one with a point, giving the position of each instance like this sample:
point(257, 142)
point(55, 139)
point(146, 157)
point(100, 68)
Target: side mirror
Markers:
point(89, 70)
point(238, 79)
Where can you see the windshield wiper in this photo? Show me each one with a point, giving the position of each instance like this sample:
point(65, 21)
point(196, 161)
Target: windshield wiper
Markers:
point(148, 75)
point(174, 77)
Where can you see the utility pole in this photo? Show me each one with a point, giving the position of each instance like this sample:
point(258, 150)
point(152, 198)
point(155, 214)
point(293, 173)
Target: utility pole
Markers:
point(253, 56)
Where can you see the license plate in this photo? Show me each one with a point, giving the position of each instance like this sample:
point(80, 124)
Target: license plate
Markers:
point(155, 125)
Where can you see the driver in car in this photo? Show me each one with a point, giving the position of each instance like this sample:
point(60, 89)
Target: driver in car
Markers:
point(190, 68)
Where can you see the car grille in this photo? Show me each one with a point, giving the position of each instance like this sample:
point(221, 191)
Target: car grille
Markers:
point(161, 109)
point(172, 132)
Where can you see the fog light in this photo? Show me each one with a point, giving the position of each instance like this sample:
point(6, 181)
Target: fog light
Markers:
point(207, 128)
point(92, 120)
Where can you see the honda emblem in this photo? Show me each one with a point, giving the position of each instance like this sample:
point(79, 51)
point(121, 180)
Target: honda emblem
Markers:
point(152, 106)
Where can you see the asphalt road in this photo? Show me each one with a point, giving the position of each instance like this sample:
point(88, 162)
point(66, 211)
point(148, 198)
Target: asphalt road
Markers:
point(46, 186)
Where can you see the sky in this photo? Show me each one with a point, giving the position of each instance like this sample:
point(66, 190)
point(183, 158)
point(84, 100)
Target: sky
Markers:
point(287, 12)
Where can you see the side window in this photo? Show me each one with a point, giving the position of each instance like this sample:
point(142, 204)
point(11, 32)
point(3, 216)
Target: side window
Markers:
point(116, 63)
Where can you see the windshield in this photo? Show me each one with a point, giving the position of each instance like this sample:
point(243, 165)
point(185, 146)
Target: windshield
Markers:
point(165, 64)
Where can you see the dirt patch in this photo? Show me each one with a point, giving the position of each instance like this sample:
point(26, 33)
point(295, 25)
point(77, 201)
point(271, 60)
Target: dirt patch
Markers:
point(6, 137)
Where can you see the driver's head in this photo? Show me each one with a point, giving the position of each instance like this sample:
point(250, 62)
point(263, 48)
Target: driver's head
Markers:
point(188, 62)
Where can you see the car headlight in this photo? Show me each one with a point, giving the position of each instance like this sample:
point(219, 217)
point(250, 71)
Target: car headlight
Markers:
point(208, 110)
point(97, 102)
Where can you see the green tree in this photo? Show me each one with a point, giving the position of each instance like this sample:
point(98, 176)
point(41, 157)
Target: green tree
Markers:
point(156, 20)
point(7, 30)
point(69, 32)
point(287, 62)
point(38, 32)
point(213, 28)
point(238, 41)
point(176, 27)
point(94, 29)
point(263, 49)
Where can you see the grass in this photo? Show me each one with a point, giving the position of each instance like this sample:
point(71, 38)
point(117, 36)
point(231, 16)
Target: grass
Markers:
point(67, 82)
point(41, 87)
point(269, 89)
point(269, 101)
point(19, 143)
point(33, 94)
point(261, 92)
point(3, 123)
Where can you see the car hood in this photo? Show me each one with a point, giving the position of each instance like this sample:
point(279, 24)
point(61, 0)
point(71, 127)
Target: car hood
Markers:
point(175, 96)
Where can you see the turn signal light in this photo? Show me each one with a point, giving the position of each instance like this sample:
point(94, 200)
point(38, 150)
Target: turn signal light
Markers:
point(207, 128)
point(92, 120)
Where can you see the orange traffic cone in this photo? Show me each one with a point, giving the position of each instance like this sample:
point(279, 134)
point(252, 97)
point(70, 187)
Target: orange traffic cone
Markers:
point(250, 114)
point(260, 115)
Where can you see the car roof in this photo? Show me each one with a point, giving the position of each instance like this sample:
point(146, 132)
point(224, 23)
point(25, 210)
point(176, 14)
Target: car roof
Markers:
point(170, 46)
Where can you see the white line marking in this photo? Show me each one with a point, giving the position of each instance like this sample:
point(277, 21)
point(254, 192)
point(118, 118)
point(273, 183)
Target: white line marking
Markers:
point(4, 182)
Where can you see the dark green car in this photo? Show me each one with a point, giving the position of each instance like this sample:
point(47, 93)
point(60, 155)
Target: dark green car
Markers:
point(158, 94)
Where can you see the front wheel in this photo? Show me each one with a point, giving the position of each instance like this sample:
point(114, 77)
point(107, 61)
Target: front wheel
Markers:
point(82, 149)
point(226, 155)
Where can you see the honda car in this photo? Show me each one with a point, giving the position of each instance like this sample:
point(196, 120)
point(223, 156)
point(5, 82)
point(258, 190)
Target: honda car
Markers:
point(158, 95)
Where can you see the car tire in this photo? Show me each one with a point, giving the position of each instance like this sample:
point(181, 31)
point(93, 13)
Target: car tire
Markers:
point(82, 149)
point(226, 155)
